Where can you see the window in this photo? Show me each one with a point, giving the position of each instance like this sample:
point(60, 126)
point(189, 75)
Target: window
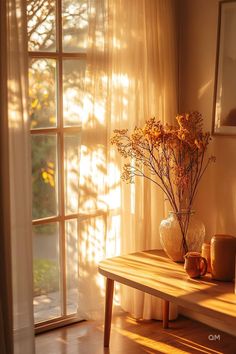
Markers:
point(57, 34)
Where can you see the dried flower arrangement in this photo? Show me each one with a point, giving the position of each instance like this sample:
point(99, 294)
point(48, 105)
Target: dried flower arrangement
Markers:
point(172, 157)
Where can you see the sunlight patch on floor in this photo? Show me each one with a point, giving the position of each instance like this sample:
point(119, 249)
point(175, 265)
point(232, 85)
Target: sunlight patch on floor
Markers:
point(150, 343)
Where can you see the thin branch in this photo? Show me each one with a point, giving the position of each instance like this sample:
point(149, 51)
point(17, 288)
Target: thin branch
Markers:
point(174, 155)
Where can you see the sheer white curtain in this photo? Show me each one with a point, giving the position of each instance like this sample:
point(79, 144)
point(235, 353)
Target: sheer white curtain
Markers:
point(131, 76)
point(16, 179)
point(143, 84)
point(6, 334)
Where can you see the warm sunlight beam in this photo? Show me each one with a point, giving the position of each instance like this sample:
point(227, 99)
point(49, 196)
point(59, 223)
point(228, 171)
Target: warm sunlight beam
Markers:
point(72, 105)
point(189, 343)
point(92, 177)
point(149, 343)
point(204, 89)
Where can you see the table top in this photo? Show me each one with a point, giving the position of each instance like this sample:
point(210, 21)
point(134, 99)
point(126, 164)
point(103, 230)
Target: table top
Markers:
point(154, 273)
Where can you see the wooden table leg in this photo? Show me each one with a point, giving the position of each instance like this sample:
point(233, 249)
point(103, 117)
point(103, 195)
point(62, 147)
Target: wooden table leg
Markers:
point(108, 311)
point(165, 314)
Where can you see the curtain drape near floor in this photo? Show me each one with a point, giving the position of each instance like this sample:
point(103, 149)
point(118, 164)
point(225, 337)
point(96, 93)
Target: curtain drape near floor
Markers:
point(16, 307)
point(131, 76)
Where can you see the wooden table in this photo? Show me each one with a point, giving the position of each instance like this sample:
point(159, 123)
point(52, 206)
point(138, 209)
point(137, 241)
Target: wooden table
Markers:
point(153, 273)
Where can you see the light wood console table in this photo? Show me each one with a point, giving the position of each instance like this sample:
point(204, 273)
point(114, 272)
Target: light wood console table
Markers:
point(153, 273)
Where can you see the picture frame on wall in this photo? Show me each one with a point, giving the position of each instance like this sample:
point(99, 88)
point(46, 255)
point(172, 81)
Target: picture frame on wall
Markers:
point(224, 106)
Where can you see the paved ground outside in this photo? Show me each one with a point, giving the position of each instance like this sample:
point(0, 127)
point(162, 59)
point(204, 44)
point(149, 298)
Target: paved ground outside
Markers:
point(47, 307)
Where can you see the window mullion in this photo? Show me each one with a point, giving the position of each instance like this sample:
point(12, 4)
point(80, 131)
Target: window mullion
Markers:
point(54, 55)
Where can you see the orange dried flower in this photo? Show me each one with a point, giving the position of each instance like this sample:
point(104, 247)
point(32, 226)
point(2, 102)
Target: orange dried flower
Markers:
point(173, 157)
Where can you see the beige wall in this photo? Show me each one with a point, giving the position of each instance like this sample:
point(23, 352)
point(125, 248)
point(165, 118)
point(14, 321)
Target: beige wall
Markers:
point(216, 200)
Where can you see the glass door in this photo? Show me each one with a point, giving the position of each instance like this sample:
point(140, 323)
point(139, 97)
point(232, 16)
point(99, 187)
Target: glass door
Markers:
point(57, 35)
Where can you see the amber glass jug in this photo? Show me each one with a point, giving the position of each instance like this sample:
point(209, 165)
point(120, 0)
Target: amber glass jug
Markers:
point(223, 250)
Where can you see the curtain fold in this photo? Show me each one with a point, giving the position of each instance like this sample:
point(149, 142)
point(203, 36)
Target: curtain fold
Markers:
point(132, 75)
point(6, 321)
point(143, 84)
point(16, 179)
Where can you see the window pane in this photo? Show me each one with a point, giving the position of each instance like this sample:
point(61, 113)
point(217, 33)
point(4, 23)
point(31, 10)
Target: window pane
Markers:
point(72, 266)
point(42, 93)
point(73, 91)
point(72, 159)
point(44, 175)
point(41, 25)
point(46, 266)
point(75, 25)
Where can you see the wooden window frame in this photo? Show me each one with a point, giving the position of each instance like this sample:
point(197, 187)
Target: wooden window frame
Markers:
point(60, 130)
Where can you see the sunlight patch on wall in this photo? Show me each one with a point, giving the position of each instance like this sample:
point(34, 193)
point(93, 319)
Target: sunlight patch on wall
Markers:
point(204, 88)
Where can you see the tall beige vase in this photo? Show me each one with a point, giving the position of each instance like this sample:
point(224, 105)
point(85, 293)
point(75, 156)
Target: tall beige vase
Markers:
point(172, 240)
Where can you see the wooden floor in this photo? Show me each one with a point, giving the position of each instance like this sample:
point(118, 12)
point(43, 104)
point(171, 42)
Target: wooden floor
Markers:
point(135, 337)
